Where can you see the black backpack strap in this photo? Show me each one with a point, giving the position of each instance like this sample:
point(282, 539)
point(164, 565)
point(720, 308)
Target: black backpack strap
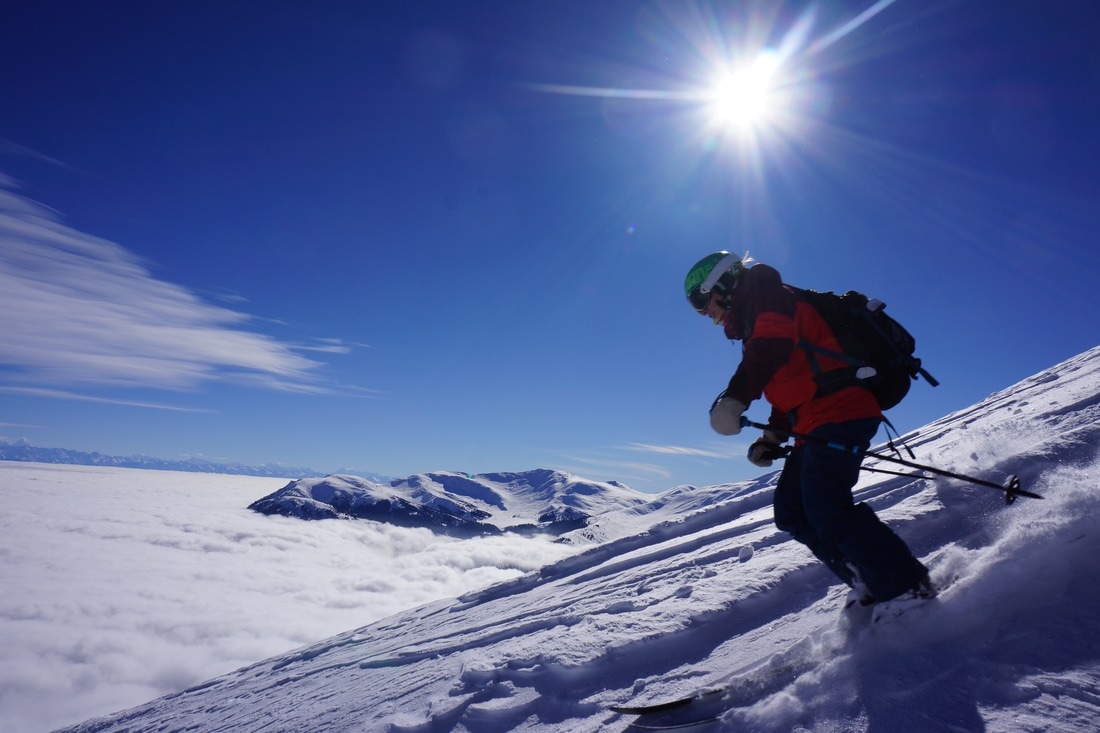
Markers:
point(831, 380)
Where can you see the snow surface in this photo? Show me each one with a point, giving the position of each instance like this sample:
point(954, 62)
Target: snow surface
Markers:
point(698, 586)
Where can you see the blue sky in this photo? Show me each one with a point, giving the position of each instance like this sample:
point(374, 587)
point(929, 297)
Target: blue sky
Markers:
point(405, 237)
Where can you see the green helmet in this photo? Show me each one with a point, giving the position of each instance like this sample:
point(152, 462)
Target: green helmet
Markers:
point(716, 272)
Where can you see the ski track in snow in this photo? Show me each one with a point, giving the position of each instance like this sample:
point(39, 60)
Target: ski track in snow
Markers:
point(715, 591)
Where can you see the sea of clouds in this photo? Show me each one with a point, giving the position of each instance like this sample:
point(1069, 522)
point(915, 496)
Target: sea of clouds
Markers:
point(122, 585)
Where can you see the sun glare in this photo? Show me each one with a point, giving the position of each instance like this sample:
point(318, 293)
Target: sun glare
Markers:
point(742, 98)
point(756, 85)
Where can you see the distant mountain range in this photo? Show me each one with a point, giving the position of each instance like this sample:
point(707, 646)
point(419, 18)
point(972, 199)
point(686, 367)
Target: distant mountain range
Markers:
point(541, 500)
point(21, 450)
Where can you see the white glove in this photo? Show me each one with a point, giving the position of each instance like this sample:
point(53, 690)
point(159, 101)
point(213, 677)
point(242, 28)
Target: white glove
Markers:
point(725, 416)
point(764, 450)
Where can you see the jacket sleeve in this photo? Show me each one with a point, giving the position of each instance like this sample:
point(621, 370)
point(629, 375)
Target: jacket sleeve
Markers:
point(770, 342)
point(780, 422)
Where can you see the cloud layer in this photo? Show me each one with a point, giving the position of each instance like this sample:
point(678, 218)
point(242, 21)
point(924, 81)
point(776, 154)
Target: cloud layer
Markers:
point(122, 585)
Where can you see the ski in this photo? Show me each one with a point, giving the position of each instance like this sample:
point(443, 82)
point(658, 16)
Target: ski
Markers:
point(888, 611)
point(661, 707)
point(707, 705)
point(698, 724)
point(918, 606)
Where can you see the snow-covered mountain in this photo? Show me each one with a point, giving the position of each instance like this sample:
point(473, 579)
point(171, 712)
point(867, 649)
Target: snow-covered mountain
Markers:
point(542, 500)
point(697, 588)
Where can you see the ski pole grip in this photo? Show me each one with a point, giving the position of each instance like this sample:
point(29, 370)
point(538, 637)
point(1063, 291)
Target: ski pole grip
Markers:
point(747, 423)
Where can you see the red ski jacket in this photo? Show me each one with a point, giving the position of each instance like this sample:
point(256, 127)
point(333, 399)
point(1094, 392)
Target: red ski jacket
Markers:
point(770, 319)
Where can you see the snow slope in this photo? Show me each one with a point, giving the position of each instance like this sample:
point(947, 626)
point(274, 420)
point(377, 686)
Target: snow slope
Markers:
point(709, 588)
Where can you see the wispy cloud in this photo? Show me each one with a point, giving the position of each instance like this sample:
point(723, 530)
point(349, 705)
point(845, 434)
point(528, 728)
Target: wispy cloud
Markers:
point(58, 394)
point(333, 346)
point(614, 465)
point(676, 450)
point(609, 468)
point(85, 311)
point(14, 149)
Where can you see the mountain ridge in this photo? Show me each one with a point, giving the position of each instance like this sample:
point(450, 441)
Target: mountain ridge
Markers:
point(539, 500)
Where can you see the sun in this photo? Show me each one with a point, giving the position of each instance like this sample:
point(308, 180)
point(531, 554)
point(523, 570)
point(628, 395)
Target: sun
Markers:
point(743, 97)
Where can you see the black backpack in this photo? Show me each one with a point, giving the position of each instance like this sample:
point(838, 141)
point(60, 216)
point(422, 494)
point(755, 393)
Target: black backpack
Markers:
point(877, 349)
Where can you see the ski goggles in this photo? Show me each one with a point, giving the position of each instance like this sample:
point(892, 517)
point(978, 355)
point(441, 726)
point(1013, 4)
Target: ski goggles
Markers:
point(699, 300)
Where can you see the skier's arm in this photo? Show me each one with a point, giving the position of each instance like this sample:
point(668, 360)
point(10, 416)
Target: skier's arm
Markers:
point(779, 423)
point(770, 345)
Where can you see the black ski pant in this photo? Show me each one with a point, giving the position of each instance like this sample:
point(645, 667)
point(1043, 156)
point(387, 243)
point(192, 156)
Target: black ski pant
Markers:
point(813, 502)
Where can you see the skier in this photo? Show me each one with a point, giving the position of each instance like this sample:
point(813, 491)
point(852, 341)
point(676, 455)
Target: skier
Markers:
point(813, 499)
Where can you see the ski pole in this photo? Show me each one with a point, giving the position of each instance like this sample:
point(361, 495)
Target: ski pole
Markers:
point(1011, 487)
point(785, 451)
